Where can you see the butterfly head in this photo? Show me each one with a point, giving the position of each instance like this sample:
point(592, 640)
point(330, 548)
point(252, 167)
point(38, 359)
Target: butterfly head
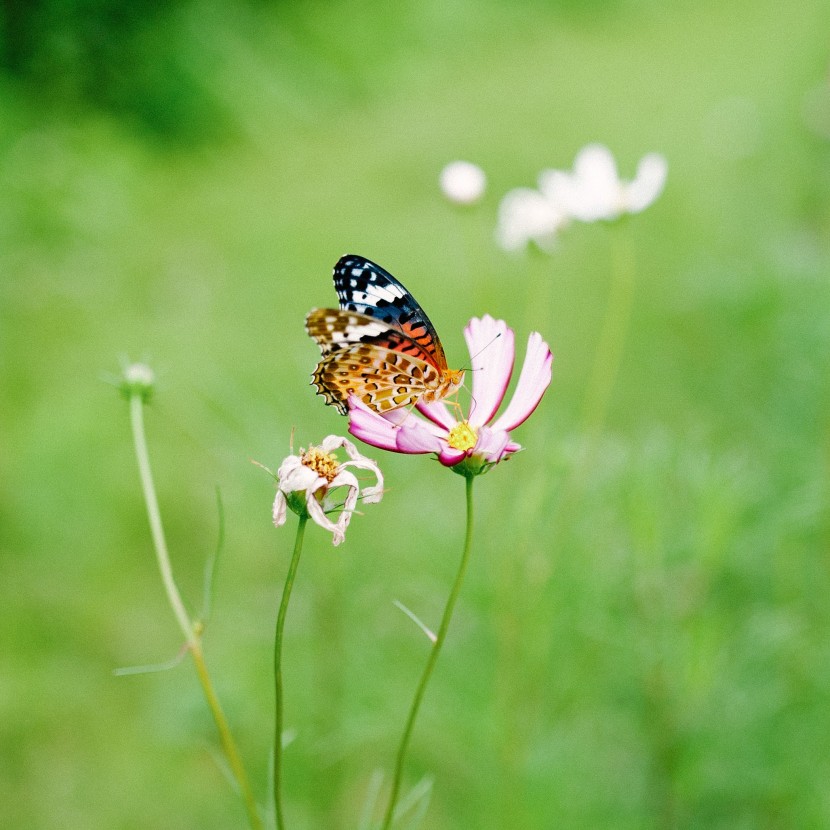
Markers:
point(453, 377)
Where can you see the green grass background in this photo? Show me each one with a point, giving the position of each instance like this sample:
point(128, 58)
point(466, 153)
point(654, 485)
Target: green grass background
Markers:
point(653, 654)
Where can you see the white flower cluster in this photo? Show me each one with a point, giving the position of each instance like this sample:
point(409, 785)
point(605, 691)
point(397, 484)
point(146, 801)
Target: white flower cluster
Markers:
point(592, 191)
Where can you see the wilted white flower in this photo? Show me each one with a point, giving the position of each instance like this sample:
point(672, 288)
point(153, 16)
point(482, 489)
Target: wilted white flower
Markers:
point(307, 482)
point(463, 182)
point(594, 189)
point(526, 215)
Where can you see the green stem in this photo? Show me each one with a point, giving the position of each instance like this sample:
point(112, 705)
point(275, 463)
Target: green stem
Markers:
point(154, 514)
point(613, 334)
point(433, 657)
point(278, 702)
point(191, 631)
point(610, 349)
point(226, 737)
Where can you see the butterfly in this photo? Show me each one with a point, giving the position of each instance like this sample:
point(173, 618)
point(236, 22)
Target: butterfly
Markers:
point(379, 345)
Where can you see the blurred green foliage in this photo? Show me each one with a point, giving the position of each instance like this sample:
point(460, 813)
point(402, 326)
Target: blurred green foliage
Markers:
point(139, 61)
point(179, 180)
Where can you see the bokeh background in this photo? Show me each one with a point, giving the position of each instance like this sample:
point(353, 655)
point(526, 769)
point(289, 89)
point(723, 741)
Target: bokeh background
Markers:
point(177, 180)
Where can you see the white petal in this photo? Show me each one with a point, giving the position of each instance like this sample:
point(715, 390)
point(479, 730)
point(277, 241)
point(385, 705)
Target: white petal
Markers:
point(298, 477)
point(525, 215)
point(559, 188)
point(597, 190)
point(335, 442)
point(648, 183)
point(371, 494)
point(290, 463)
point(344, 478)
point(279, 509)
point(595, 162)
point(338, 528)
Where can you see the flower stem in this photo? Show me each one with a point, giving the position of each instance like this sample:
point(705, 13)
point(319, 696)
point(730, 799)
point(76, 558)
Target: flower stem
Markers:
point(610, 347)
point(154, 514)
point(191, 631)
point(278, 701)
point(226, 737)
point(433, 657)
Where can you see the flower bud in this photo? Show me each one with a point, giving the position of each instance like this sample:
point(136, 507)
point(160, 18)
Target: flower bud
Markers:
point(463, 183)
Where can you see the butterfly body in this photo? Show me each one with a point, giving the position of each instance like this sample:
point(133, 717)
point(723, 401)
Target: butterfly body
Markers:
point(379, 345)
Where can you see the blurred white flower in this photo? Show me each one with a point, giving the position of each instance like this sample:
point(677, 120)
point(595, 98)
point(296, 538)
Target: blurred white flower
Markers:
point(463, 182)
point(525, 216)
point(594, 189)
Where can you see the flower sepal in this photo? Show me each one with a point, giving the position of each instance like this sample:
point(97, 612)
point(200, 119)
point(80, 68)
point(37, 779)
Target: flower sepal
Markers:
point(297, 503)
point(472, 466)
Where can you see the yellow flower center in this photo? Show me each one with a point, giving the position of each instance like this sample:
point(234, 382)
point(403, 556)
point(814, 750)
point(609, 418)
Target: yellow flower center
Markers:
point(323, 463)
point(462, 437)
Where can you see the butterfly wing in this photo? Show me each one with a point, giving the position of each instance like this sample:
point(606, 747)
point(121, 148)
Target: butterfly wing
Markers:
point(334, 329)
point(382, 378)
point(367, 289)
point(379, 345)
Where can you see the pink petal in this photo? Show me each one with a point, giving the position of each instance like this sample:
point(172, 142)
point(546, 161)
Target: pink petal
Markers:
point(405, 416)
point(533, 381)
point(416, 437)
point(396, 416)
point(491, 345)
point(492, 443)
point(450, 457)
point(438, 413)
point(370, 427)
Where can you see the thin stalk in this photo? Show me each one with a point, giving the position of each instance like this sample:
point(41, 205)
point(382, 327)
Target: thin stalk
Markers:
point(191, 631)
point(154, 515)
point(226, 737)
point(430, 665)
point(611, 344)
point(278, 697)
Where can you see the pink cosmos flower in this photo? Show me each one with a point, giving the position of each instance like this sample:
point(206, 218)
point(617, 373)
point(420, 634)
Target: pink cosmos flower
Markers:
point(479, 440)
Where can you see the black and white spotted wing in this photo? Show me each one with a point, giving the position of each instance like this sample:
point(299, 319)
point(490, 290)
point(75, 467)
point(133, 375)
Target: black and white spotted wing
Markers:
point(366, 288)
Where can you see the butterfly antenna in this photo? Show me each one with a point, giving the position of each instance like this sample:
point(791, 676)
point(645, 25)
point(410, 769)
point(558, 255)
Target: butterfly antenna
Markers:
point(482, 349)
point(475, 369)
